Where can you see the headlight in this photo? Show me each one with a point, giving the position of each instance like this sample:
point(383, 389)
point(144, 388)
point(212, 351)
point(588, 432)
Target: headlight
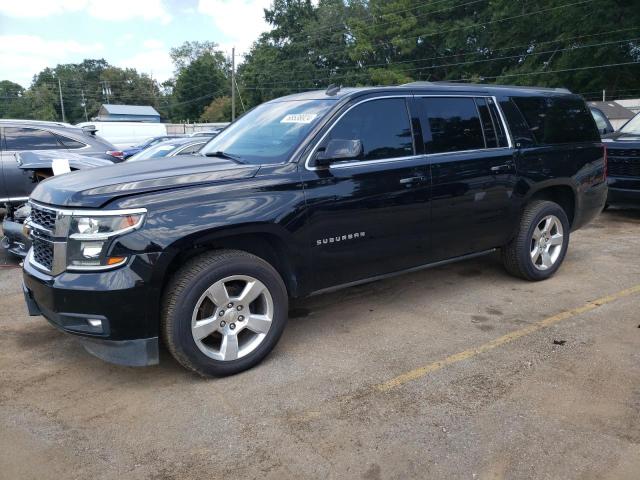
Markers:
point(90, 237)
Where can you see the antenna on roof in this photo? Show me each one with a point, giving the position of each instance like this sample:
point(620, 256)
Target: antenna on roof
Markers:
point(332, 89)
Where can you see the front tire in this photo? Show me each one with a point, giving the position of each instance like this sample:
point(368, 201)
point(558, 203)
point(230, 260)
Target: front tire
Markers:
point(223, 312)
point(540, 245)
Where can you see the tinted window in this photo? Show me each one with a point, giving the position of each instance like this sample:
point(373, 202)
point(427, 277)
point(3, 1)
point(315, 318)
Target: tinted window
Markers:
point(69, 143)
point(558, 120)
point(488, 127)
point(454, 124)
point(30, 139)
point(382, 125)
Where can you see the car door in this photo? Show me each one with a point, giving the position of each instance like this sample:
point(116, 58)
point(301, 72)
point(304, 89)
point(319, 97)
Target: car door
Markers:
point(473, 174)
point(368, 216)
point(18, 182)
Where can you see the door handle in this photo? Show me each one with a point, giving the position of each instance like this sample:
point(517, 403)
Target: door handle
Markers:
point(408, 181)
point(504, 168)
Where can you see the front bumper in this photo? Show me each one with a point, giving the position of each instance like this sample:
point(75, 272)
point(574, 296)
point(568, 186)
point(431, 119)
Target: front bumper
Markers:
point(108, 311)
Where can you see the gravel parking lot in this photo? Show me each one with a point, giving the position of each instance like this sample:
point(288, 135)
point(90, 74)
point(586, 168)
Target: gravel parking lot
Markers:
point(456, 372)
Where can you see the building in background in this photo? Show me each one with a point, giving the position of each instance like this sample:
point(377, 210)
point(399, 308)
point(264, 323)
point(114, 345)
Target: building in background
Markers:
point(127, 113)
point(616, 113)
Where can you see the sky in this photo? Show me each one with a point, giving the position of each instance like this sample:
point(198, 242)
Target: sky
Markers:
point(35, 34)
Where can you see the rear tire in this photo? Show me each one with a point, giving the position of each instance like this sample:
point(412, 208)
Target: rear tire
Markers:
point(540, 245)
point(223, 312)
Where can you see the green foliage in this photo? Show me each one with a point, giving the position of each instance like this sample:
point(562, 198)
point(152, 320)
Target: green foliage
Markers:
point(183, 55)
point(88, 80)
point(202, 73)
point(10, 98)
point(219, 110)
point(312, 44)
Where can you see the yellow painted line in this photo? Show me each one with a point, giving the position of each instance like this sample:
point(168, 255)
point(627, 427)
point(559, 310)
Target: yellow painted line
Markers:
point(509, 337)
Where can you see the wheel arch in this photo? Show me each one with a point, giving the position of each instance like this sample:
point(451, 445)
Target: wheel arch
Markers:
point(564, 194)
point(269, 242)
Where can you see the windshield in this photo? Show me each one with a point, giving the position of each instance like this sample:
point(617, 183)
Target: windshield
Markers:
point(632, 126)
point(270, 132)
point(161, 150)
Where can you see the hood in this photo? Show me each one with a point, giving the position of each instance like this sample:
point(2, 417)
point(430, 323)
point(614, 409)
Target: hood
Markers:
point(44, 159)
point(624, 139)
point(95, 187)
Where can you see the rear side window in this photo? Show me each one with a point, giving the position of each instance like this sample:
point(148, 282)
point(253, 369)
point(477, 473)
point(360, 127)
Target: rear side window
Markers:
point(601, 121)
point(191, 149)
point(30, 139)
point(70, 143)
point(558, 120)
point(454, 123)
point(382, 125)
point(488, 126)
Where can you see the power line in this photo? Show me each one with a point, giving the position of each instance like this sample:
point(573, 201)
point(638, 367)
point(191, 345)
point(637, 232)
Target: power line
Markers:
point(432, 67)
point(390, 22)
point(464, 27)
point(437, 57)
point(509, 75)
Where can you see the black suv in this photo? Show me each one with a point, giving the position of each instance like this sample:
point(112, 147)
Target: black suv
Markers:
point(302, 195)
point(623, 151)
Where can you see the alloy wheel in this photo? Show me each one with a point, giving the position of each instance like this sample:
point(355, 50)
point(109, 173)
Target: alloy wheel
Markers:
point(232, 317)
point(546, 242)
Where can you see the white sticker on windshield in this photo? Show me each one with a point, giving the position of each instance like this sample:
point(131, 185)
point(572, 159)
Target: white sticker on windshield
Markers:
point(299, 118)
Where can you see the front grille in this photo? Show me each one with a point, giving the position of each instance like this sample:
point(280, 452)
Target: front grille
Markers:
point(44, 217)
point(43, 252)
point(624, 162)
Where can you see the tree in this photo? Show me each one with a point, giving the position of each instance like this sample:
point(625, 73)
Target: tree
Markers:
point(204, 76)
point(219, 110)
point(86, 80)
point(11, 98)
point(183, 55)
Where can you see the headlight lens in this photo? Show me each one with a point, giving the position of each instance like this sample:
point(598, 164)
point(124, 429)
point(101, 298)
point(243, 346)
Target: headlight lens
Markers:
point(90, 237)
point(102, 227)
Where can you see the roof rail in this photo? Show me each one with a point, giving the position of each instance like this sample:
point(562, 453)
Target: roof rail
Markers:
point(485, 85)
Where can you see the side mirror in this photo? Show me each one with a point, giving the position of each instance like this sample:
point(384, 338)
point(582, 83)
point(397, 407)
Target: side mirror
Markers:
point(337, 150)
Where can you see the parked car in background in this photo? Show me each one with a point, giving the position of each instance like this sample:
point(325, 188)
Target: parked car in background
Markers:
point(306, 194)
point(126, 134)
point(171, 148)
point(603, 123)
point(207, 133)
point(19, 136)
point(149, 142)
point(623, 154)
point(616, 114)
point(38, 166)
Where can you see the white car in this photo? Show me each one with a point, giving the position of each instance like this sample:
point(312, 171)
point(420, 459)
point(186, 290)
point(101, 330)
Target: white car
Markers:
point(126, 134)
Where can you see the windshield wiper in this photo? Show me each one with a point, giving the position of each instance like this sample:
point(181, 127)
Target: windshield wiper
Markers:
point(227, 156)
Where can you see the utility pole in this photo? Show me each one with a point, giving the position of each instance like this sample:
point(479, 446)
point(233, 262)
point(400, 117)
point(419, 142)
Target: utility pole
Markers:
point(83, 103)
point(64, 119)
point(106, 91)
point(233, 83)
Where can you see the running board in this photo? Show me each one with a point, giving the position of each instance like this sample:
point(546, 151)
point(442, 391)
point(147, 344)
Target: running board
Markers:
point(401, 272)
